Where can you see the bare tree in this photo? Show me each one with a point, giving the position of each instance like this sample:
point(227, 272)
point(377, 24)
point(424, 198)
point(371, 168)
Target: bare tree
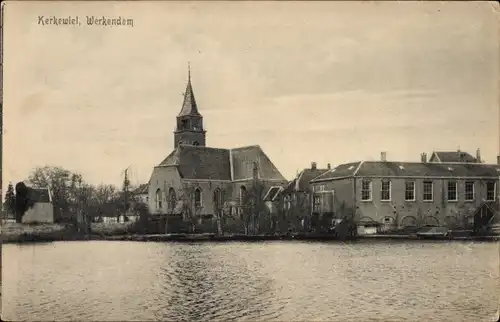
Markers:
point(253, 207)
point(190, 205)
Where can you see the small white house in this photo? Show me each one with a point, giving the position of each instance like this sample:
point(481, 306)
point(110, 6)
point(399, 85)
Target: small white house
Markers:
point(42, 210)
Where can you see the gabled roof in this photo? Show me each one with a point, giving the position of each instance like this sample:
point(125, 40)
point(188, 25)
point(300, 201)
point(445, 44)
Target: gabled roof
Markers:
point(189, 106)
point(199, 162)
point(39, 194)
point(303, 179)
point(242, 163)
point(412, 169)
point(340, 171)
point(142, 189)
point(452, 156)
point(272, 193)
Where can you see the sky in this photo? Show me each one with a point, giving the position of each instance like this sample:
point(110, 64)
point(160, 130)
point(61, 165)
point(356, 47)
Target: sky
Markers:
point(325, 82)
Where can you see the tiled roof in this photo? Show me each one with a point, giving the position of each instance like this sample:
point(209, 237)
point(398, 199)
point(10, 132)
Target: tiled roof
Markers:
point(340, 171)
point(454, 156)
point(172, 159)
point(272, 193)
point(412, 169)
point(142, 189)
point(199, 162)
point(39, 195)
point(242, 161)
point(189, 106)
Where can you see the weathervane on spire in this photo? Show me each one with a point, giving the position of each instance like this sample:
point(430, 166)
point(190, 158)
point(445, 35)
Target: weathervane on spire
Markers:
point(189, 71)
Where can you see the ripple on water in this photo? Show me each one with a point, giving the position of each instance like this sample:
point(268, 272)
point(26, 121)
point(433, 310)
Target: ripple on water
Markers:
point(250, 282)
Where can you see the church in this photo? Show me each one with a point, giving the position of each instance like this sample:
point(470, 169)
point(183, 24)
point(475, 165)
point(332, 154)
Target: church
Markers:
point(202, 180)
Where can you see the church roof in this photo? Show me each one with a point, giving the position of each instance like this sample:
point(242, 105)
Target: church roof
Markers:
point(189, 106)
point(452, 156)
point(242, 161)
point(199, 162)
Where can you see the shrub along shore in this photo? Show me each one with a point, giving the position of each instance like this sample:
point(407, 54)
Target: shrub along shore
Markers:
point(49, 233)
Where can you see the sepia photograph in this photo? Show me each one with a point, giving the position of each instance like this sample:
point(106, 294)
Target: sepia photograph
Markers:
point(250, 161)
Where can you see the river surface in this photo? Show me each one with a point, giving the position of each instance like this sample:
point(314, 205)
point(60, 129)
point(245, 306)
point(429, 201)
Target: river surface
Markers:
point(268, 281)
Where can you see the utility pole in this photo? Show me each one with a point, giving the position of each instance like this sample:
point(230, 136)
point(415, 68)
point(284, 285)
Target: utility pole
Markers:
point(126, 184)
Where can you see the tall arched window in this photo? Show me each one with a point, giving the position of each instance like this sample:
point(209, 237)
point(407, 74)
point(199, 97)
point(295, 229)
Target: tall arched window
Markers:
point(197, 198)
point(243, 193)
point(158, 198)
point(172, 199)
point(218, 199)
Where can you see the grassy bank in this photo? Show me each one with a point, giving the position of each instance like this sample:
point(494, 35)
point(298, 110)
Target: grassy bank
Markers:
point(22, 233)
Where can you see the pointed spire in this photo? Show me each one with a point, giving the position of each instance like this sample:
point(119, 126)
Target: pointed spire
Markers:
point(189, 106)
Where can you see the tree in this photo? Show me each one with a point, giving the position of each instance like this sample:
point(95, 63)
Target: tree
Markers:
point(253, 206)
point(190, 209)
point(23, 201)
point(63, 185)
point(10, 199)
point(299, 209)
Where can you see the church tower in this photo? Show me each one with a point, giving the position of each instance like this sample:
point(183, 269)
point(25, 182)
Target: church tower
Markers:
point(189, 121)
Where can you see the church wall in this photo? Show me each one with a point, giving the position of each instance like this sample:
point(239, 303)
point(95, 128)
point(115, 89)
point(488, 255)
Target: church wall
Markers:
point(208, 188)
point(162, 178)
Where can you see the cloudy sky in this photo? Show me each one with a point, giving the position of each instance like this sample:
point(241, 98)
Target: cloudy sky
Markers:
point(325, 81)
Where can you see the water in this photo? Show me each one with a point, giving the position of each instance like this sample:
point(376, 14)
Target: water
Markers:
point(275, 281)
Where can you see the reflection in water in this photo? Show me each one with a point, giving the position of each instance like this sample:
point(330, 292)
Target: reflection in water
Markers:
point(274, 281)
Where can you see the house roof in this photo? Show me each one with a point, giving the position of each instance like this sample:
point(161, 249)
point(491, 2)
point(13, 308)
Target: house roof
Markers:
point(340, 171)
point(272, 193)
point(303, 179)
point(189, 106)
point(452, 156)
point(242, 160)
point(142, 189)
point(39, 195)
point(411, 169)
point(199, 162)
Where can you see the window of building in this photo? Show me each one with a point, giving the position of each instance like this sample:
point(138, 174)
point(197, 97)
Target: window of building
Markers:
point(322, 188)
point(218, 199)
point(410, 191)
point(197, 198)
point(490, 190)
point(428, 191)
point(195, 143)
point(243, 193)
point(316, 204)
point(184, 124)
point(172, 199)
point(366, 190)
point(385, 191)
point(158, 199)
point(288, 202)
point(452, 191)
point(469, 190)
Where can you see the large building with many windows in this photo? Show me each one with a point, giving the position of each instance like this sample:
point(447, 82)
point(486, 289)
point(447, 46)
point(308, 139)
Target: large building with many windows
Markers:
point(401, 194)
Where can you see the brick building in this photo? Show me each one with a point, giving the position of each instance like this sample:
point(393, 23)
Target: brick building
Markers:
point(401, 194)
point(202, 180)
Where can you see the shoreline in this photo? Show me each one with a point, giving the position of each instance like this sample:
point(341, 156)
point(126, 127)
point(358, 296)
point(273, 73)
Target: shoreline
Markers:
point(189, 238)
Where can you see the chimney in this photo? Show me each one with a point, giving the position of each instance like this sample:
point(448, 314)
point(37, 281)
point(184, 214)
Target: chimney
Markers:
point(328, 166)
point(313, 165)
point(478, 155)
point(498, 159)
point(383, 156)
point(423, 157)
